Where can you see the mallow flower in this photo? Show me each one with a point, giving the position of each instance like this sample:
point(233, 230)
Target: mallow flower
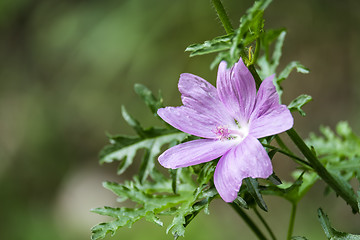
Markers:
point(229, 119)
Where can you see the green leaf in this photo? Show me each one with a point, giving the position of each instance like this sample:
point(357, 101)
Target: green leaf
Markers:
point(292, 192)
point(299, 102)
point(241, 202)
point(274, 179)
point(150, 100)
point(269, 62)
point(215, 45)
point(132, 122)
point(150, 205)
point(124, 148)
point(231, 47)
point(330, 232)
point(206, 173)
point(298, 238)
point(253, 188)
point(289, 68)
point(268, 38)
point(339, 151)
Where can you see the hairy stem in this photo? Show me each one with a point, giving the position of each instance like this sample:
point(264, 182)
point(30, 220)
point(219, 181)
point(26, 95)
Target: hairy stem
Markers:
point(292, 221)
point(220, 10)
point(348, 196)
point(265, 224)
point(248, 221)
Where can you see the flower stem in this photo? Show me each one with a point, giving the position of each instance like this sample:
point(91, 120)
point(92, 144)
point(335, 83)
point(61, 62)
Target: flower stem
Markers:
point(346, 194)
point(282, 144)
point(336, 185)
point(265, 223)
point(220, 10)
point(292, 221)
point(248, 221)
point(297, 159)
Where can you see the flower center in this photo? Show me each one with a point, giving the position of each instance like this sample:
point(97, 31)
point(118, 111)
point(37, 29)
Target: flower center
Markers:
point(224, 133)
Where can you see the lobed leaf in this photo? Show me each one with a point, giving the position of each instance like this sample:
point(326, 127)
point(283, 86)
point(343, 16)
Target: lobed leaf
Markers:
point(299, 102)
point(330, 232)
point(215, 45)
point(123, 148)
point(147, 96)
point(340, 152)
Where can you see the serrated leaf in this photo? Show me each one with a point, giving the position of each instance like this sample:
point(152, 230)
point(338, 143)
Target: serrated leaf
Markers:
point(206, 172)
point(188, 210)
point(289, 68)
point(132, 122)
point(174, 174)
point(330, 232)
point(149, 206)
point(125, 148)
point(298, 238)
point(215, 45)
point(232, 46)
point(339, 151)
point(147, 96)
point(268, 38)
point(253, 188)
point(299, 102)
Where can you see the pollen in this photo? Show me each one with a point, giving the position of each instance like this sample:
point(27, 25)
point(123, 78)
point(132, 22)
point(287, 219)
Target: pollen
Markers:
point(222, 132)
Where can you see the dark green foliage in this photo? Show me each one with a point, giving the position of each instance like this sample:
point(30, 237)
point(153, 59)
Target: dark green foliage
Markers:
point(253, 188)
point(330, 232)
point(153, 192)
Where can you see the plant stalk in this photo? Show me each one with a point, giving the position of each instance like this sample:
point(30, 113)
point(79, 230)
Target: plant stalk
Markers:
point(348, 196)
point(248, 221)
point(292, 221)
point(220, 10)
point(265, 224)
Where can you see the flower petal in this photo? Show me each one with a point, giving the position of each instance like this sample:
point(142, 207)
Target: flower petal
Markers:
point(188, 120)
point(202, 112)
point(201, 96)
point(237, 90)
point(194, 152)
point(269, 116)
point(248, 159)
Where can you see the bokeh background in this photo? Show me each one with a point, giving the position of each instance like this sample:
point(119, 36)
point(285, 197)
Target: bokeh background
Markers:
point(66, 67)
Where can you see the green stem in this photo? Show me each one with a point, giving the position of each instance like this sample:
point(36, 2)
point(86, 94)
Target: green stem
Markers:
point(256, 76)
point(265, 224)
point(220, 10)
point(348, 196)
point(248, 221)
point(257, 51)
point(282, 144)
point(296, 158)
point(292, 221)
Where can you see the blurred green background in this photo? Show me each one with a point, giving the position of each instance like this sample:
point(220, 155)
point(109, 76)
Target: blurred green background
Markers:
point(67, 66)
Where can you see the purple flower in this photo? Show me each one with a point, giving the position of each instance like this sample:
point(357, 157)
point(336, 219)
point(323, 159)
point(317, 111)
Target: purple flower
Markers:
point(229, 118)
